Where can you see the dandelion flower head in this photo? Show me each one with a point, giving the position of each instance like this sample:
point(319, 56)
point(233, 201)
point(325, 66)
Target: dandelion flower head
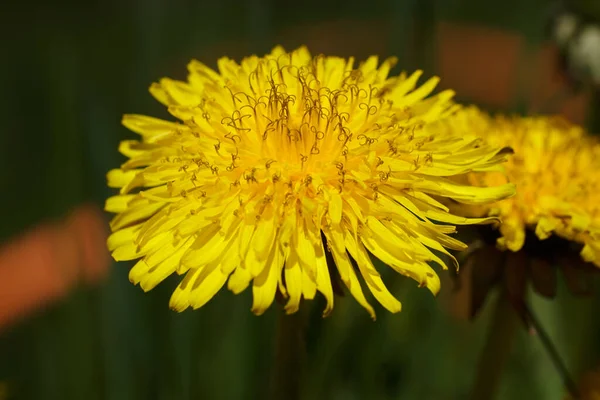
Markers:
point(555, 169)
point(280, 162)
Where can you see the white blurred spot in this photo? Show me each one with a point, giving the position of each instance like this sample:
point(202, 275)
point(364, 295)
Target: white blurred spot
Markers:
point(564, 28)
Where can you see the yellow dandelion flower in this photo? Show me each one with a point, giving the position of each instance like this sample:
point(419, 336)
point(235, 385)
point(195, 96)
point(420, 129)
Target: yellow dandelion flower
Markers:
point(555, 171)
point(552, 223)
point(281, 160)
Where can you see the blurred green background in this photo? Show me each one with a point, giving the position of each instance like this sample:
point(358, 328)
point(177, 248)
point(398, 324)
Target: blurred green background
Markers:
point(70, 69)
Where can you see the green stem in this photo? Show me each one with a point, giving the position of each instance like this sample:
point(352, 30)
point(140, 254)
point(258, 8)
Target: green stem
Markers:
point(496, 351)
point(554, 354)
point(290, 356)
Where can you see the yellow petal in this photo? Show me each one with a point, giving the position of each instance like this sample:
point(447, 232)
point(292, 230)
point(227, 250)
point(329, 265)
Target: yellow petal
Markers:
point(265, 285)
point(208, 245)
point(371, 276)
point(309, 285)
point(545, 227)
point(123, 236)
point(306, 253)
point(150, 128)
point(335, 208)
point(589, 254)
point(342, 262)
point(159, 93)
point(127, 252)
point(159, 265)
point(324, 279)
point(134, 215)
point(205, 287)
point(293, 282)
point(200, 74)
point(405, 86)
point(457, 220)
point(246, 233)
point(180, 299)
point(263, 241)
point(117, 204)
point(239, 280)
point(180, 93)
point(420, 93)
point(118, 178)
point(465, 194)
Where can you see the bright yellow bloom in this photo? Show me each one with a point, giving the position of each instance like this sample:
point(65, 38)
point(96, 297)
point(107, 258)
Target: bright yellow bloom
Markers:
point(281, 159)
point(555, 169)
